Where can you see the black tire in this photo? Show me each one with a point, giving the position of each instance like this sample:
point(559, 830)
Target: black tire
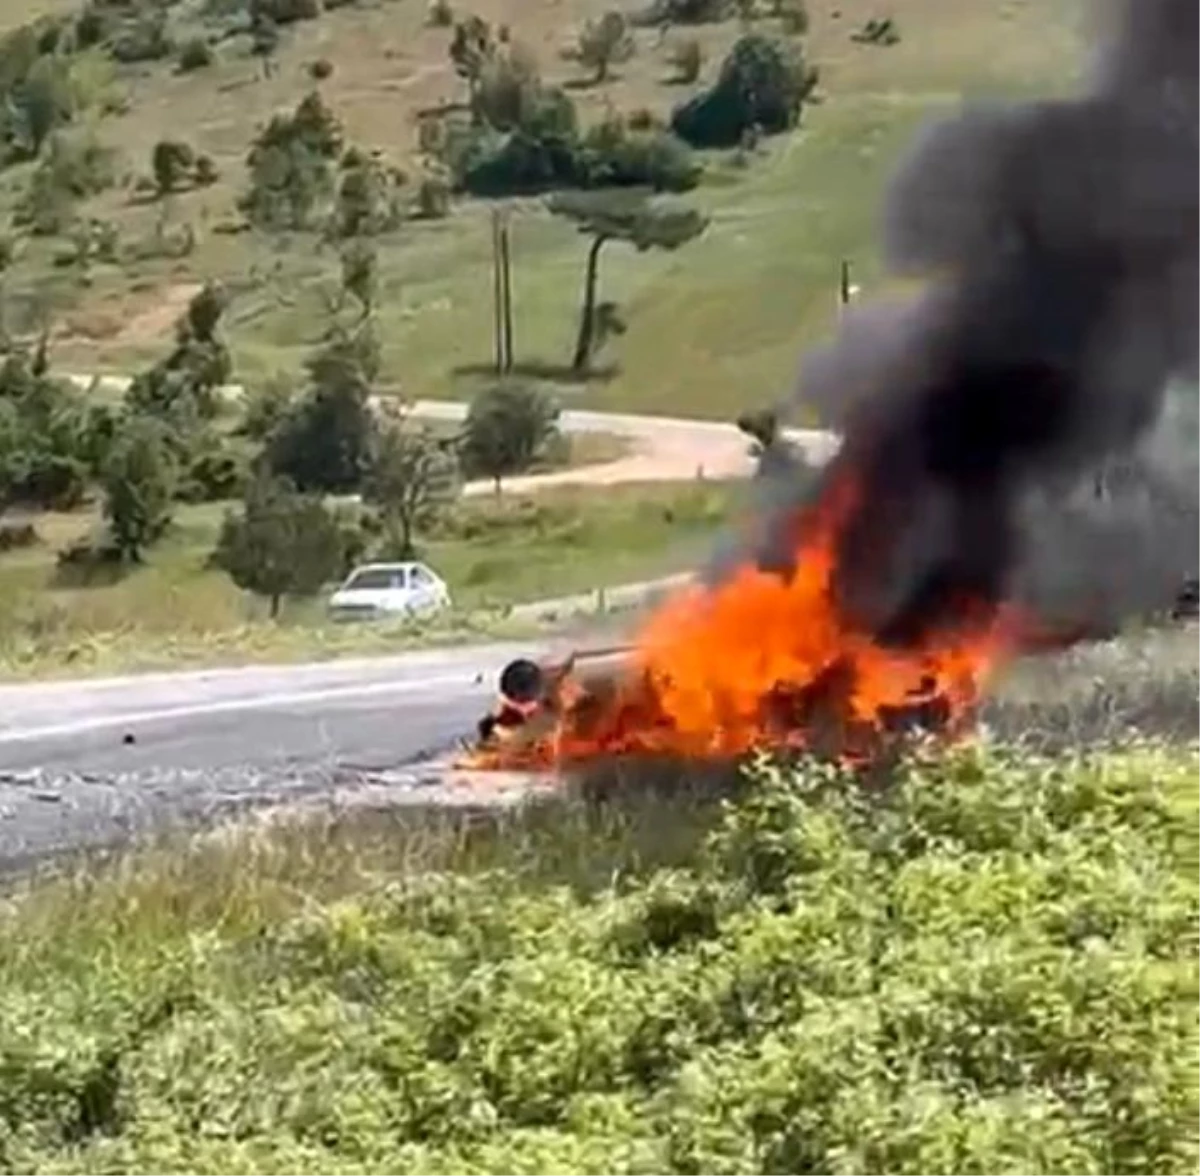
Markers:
point(521, 681)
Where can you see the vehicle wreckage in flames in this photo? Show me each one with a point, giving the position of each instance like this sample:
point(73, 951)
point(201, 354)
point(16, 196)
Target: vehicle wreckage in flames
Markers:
point(761, 660)
point(1055, 243)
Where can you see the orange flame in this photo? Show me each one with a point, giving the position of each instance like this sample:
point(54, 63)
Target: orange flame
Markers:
point(764, 659)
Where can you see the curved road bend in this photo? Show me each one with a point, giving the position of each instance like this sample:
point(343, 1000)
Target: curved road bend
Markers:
point(88, 762)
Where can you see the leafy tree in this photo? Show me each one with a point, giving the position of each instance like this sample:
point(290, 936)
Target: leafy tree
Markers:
point(182, 387)
point(620, 216)
point(144, 38)
point(53, 438)
point(688, 12)
point(204, 172)
point(360, 275)
point(291, 166)
point(139, 487)
point(687, 59)
point(324, 443)
point(412, 476)
point(440, 14)
point(265, 406)
point(264, 39)
point(433, 197)
point(171, 162)
point(508, 89)
point(281, 543)
point(762, 86)
point(286, 11)
point(507, 427)
point(615, 154)
point(793, 16)
point(604, 43)
point(367, 200)
point(471, 47)
point(195, 53)
point(39, 104)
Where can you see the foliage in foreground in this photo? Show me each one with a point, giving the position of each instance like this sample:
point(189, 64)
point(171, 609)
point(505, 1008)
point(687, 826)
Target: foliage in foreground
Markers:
point(987, 967)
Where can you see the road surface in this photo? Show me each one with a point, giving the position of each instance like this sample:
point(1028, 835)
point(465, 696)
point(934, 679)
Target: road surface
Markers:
point(88, 762)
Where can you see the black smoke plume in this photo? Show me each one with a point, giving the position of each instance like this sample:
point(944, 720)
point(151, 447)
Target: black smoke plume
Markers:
point(1058, 243)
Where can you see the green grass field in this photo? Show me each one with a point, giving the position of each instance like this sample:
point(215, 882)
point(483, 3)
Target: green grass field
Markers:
point(492, 553)
point(714, 328)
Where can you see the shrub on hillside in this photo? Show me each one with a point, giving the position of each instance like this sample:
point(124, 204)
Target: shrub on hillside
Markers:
point(433, 198)
point(195, 53)
point(215, 473)
point(283, 12)
point(368, 196)
point(171, 162)
point(604, 43)
point(40, 98)
point(686, 12)
point(762, 85)
point(793, 16)
point(440, 14)
point(546, 150)
point(143, 38)
point(73, 167)
point(612, 154)
point(687, 60)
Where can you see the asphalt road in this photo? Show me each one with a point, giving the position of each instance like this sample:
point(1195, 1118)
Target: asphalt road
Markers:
point(89, 762)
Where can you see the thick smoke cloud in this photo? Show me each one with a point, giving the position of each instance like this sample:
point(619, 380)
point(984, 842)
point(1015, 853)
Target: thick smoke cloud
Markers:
point(1059, 244)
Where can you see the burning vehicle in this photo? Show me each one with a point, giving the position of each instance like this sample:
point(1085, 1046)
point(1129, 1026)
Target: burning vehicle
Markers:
point(1056, 243)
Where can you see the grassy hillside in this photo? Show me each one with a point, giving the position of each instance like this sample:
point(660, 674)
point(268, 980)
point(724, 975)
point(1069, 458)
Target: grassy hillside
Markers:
point(716, 326)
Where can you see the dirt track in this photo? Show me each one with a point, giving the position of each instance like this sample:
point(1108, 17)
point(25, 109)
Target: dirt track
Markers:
point(663, 449)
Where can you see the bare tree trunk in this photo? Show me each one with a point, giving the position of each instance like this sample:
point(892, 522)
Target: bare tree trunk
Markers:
point(275, 601)
point(587, 321)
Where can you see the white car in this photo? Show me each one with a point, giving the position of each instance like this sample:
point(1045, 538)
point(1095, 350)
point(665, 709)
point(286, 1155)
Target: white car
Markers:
point(375, 591)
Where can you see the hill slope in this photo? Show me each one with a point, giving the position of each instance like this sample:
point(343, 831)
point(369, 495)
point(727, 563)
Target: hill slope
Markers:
point(717, 325)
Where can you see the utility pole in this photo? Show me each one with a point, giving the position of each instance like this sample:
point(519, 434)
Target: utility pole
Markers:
point(497, 293)
point(846, 291)
point(506, 284)
point(502, 316)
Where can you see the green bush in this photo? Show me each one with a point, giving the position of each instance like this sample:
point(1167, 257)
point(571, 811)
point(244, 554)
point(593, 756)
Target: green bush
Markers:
point(195, 53)
point(615, 155)
point(433, 198)
point(687, 59)
point(441, 14)
point(547, 151)
point(761, 87)
point(687, 12)
point(987, 965)
point(282, 12)
point(144, 38)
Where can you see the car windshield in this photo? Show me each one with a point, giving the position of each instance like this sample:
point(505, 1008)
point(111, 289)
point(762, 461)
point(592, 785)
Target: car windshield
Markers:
point(377, 578)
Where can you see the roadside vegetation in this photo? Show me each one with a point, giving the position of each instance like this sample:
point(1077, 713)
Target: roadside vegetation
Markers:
point(985, 964)
point(181, 607)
